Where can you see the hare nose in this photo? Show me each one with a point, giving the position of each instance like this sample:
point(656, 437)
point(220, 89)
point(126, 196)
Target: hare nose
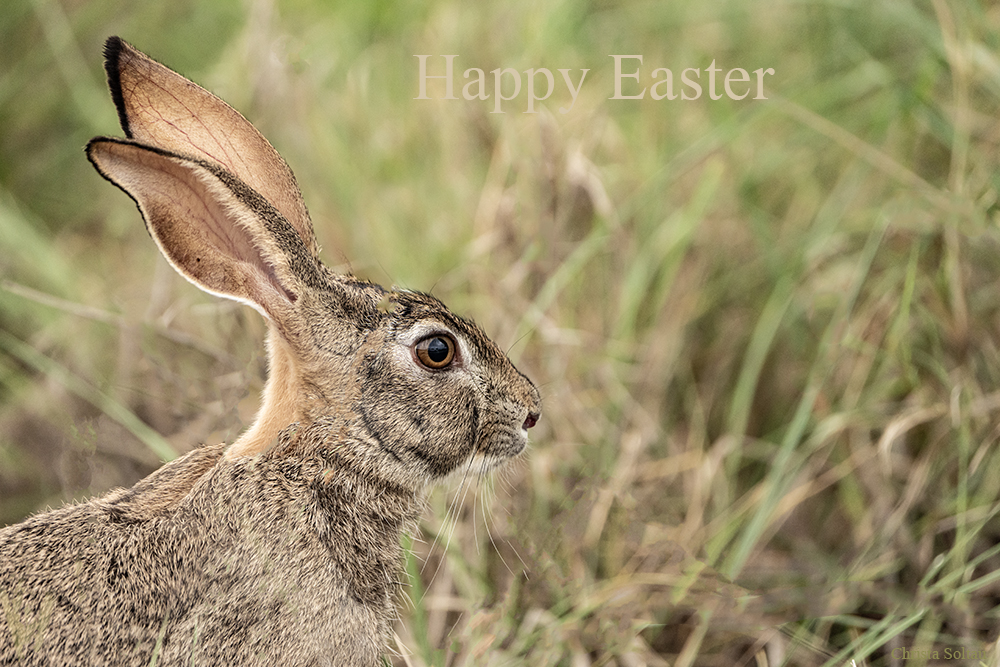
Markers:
point(531, 420)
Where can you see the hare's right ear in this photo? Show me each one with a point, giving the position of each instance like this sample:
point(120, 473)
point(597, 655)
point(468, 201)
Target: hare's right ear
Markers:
point(158, 107)
point(218, 232)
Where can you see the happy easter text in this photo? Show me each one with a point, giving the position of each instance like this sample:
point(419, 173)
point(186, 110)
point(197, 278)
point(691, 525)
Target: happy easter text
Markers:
point(630, 82)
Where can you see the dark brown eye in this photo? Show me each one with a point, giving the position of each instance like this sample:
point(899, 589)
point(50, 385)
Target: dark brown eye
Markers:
point(436, 352)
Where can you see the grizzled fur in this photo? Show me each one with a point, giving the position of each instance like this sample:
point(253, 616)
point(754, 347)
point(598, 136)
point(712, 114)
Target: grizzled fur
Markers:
point(282, 548)
point(228, 576)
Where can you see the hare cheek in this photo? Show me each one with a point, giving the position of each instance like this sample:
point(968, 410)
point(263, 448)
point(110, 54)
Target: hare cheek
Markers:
point(429, 425)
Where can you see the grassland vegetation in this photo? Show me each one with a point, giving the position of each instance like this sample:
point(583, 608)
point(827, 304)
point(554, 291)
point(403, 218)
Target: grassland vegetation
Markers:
point(766, 331)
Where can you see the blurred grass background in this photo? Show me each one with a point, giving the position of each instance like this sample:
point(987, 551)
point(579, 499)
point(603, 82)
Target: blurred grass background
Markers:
point(766, 332)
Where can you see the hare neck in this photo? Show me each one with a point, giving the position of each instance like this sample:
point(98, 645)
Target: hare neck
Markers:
point(278, 407)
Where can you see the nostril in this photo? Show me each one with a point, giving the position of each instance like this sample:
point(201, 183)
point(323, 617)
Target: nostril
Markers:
point(531, 420)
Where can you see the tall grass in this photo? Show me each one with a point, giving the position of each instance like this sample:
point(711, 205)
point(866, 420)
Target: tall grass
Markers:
point(766, 331)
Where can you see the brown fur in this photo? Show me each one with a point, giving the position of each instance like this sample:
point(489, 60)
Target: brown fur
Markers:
point(284, 547)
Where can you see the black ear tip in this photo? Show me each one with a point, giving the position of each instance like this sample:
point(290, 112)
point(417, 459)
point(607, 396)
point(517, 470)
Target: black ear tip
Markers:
point(112, 48)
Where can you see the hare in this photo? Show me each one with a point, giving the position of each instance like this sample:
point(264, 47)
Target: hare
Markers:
point(282, 548)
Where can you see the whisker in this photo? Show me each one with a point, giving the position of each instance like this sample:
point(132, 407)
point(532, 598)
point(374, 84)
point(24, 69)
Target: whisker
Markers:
point(451, 516)
point(486, 520)
point(451, 510)
point(464, 488)
point(520, 338)
point(475, 529)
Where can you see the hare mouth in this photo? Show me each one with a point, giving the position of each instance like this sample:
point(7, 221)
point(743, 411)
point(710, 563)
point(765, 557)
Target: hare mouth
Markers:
point(485, 463)
point(505, 447)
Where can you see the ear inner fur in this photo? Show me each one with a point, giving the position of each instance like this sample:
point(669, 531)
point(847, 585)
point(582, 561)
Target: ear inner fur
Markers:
point(205, 229)
point(159, 107)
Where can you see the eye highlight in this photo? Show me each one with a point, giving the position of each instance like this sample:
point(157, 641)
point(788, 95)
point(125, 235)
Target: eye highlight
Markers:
point(435, 352)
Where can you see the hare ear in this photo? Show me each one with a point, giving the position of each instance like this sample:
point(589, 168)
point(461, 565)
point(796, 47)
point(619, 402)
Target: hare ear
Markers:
point(215, 230)
point(160, 108)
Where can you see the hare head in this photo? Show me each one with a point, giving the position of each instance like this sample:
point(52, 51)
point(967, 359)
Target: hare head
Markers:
point(391, 380)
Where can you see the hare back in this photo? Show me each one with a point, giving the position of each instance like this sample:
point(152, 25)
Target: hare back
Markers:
point(262, 561)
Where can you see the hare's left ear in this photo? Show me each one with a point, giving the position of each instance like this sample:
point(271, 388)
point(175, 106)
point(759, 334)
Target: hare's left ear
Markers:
point(214, 229)
point(162, 109)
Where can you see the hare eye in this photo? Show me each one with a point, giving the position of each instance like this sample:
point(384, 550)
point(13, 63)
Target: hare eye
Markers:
point(436, 352)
